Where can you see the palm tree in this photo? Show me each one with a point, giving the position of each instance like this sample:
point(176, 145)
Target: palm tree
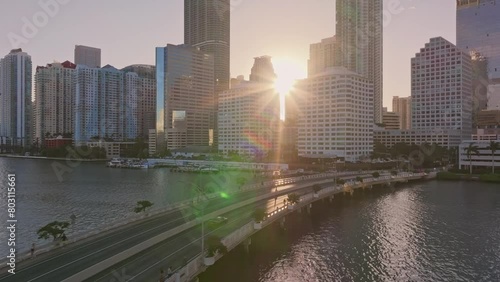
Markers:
point(471, 150)
point(494, 147)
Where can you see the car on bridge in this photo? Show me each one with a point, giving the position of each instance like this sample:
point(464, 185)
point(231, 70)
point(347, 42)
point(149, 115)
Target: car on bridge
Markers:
point(217, 222)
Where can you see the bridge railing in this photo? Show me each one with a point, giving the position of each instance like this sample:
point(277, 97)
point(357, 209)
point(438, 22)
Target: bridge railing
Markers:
point(232, 240)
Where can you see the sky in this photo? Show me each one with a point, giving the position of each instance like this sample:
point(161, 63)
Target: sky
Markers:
point(128, 31)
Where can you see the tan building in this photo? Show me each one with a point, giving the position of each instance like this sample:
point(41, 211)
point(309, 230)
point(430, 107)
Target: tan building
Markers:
point(322, 56)
point(390, 120)
point(402, 107)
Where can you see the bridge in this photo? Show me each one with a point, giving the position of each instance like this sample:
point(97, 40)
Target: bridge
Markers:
point(172, 237)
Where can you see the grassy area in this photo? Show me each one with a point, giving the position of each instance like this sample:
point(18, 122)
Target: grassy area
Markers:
point(492, 178)
point(448, 176)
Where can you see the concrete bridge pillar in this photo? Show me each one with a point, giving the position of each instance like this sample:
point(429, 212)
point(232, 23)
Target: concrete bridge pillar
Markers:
point(330, 199)
point(309, 208)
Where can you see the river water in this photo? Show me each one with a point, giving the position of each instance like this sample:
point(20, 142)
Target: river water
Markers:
point(96, 195)
point(432, 231)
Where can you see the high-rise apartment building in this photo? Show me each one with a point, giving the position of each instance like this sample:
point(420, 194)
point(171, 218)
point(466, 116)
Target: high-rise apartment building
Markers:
point(335, 115)
point(207, 26)
point(322, 56)
point(185, 114)
point(441, 88)
point(54, 100)
point(359, 38)
point(402, 107)
point(105, 104)
point(15, 99)
point(249, 114)
point(88, 56)
point(146, 97)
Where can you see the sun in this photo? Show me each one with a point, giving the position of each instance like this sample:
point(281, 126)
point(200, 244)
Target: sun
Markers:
point(288, 71)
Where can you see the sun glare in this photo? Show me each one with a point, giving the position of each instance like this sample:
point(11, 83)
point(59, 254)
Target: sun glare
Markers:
point(288, 71)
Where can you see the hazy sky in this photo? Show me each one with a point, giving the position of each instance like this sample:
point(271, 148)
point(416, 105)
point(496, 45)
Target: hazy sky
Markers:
point(128, 31)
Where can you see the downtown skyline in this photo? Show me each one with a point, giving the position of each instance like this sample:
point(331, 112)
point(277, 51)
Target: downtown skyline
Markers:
point(286, 40)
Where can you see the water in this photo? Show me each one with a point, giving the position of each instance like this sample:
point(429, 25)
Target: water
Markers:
point(97, 195)
point(434, 231)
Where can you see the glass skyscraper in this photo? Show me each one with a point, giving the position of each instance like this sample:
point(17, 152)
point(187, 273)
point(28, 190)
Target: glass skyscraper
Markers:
point(185, 114)
point(16, 124)
point(207, 26)
point(478, 30)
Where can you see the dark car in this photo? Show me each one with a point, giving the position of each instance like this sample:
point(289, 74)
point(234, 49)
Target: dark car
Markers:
point(216, 222)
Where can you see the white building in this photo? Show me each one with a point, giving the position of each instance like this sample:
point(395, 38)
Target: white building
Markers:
point(54, 100)
point(443, 137)
point(15, 99)
point(494, 96)
point(442, 88)
point(88, 56)
point(249, 113)
point(105, 104)
point(249, 116)
point(485, 158)
point(336, 115)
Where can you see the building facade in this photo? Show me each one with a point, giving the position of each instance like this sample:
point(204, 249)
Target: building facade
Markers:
point(207, 26)
point(359, 36)
point(485, 158)
point(106, 104)
point(391, 121)
point(335, 116)
point(322, 56)
point(146, 97)
point(54, 101)
point(16, 116)
point(87, 56)
point(249, 118)
point(402, 107)
point(478, 30)
point(444, 137)
point(185, 111)
point(441, 88)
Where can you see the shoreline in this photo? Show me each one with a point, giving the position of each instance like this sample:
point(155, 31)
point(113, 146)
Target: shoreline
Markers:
point(481, 178)
point(51, 159)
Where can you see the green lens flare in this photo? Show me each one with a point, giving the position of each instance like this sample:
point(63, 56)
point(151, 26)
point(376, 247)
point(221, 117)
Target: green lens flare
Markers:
point(224, 195)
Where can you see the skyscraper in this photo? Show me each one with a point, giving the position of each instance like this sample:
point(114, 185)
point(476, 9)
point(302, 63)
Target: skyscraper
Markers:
point(105, 104)
point(88, 56)
point(15, 98)
point(441, 88)
point(263, 70)
point(54, 99)
point(146, 97)
point(478, 33)
point(336, 115)
point(322, 56)
point(249, 114)
point(478, 30)
point(185, 111)
point(359, 31)
point(402, 106)
point(207, 26)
